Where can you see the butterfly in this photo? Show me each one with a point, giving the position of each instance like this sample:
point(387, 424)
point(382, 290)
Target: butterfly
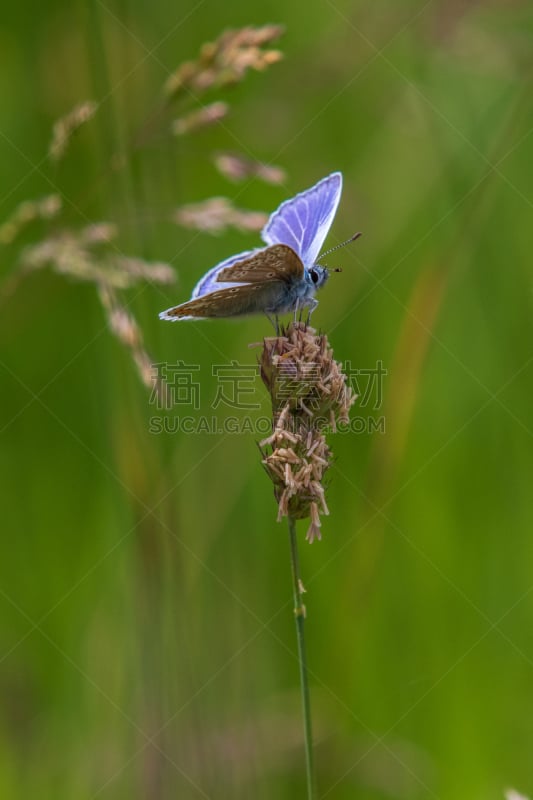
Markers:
point(278, 278)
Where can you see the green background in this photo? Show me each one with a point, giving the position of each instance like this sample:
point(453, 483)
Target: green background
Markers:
point(147, 641)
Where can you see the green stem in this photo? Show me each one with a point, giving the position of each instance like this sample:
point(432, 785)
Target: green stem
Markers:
point(299, 615)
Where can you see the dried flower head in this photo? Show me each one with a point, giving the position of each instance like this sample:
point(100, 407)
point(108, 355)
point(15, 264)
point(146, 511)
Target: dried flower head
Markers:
point(201, 118)
point(79, 255)
point(66, 127)
point(125, 327)
point(45, 208)
point(309, 396)
point(225, 61)
point(85, 255)
point(238, 168)
point(217, 214)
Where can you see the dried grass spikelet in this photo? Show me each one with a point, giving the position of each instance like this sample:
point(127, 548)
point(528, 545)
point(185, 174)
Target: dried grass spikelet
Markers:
point(126, 329)
point(201, 118)
point(45, 208)
point(225, 61)
point(309, 396)
point(89, 254)
point(81, 255)
point(218, 213)
point(65, 128)
point(237, 168)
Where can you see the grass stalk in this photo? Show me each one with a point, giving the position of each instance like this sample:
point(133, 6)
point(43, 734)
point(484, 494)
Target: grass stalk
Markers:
point(299, 615)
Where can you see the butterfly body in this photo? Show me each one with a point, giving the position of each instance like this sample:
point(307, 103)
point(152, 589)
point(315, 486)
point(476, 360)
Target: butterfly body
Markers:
point(282, 277)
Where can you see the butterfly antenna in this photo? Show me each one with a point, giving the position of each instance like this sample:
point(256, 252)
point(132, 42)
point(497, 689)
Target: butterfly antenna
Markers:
point(337, 247)
point(343, 244)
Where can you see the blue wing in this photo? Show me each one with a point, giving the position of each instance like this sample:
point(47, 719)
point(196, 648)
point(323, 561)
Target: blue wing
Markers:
point(304, 221)
point(208, 282)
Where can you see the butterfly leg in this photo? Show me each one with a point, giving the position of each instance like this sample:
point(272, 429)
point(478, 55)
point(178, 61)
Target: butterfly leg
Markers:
point(274, 320)
point(296, 308)
point(312, 305)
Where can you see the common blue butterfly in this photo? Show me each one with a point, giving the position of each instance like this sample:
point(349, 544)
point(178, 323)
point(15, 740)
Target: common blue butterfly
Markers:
point(281, 277)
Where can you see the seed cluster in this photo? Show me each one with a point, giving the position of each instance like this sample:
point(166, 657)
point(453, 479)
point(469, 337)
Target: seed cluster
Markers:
point(309, 396)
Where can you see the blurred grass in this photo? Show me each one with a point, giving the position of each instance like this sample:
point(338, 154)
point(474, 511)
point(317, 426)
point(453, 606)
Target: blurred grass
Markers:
point(119, 620)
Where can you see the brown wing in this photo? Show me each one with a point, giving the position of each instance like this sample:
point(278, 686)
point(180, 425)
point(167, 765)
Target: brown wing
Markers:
point(231, 302)
point(276, 263)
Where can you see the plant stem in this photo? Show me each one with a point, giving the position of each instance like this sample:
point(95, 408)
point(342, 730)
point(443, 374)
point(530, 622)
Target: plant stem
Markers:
point(299, 615)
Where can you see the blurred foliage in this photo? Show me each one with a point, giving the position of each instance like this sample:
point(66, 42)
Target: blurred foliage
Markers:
point(147, 635)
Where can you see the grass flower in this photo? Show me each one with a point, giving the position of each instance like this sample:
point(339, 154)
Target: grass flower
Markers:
point(66, 127)
point(90, 255)
point(200, 118)
point(217, 214)
point(309, 396)
point(45, 208)
point(226, 61)
point(237, 168)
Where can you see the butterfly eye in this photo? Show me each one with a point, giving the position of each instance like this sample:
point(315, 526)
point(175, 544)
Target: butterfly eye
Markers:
point(314, 275)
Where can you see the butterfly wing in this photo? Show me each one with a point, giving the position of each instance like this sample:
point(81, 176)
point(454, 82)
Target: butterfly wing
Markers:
point(236, 301)
point(276, 263)
point(210, 283)
point(251, 282)
point(257, 280)
point(303, 222)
